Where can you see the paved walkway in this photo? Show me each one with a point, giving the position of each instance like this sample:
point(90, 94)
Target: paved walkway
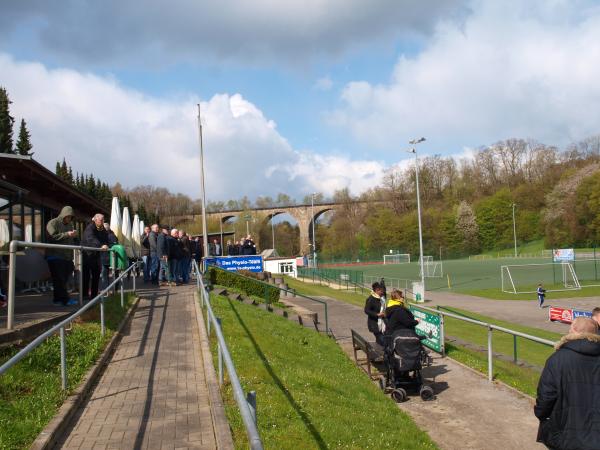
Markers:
point(154, 392)
point(468, 413)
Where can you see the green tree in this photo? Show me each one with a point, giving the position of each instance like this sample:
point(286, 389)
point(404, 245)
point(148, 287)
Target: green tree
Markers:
point(24, 145)
point(6, 123)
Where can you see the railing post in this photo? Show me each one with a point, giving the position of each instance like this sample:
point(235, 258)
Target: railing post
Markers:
point(515, 348)
point(251, 399)
point(12, 261)
point(208, 321)
point(133, 272)
point(102, 326)
point(220, 353)
point(122, 295)
point(490, 366)
point(63, 359)
point(80, 267)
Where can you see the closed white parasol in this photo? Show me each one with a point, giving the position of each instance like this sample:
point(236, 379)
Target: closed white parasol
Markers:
point(126, 233)
point(116, 221)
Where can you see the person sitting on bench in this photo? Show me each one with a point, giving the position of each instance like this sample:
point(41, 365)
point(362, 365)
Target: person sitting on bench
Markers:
point(397, 316)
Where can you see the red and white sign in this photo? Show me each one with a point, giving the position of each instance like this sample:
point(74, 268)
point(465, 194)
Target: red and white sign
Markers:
point(560, 315)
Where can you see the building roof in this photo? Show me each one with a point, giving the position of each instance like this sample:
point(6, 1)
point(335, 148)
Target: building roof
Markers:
point(41, 186)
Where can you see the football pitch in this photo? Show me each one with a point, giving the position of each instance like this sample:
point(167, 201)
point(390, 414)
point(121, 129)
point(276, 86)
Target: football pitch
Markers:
point(473, 276)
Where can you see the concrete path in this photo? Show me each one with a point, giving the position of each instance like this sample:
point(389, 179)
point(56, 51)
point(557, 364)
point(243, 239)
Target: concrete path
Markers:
point(468, 412)
point(154, 392)
point(519, 311)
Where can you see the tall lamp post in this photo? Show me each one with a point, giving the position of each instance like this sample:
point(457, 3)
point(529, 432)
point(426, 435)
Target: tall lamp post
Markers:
point(312, 213)
point(414, 143)
point(514, 228)
point(203, 196)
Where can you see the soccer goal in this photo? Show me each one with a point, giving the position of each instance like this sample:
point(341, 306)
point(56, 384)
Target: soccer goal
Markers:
point(431, 268)
point(524, 278)
point(396, 258)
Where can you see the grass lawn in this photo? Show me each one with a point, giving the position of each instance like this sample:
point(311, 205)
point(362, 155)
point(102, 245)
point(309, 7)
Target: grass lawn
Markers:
point(497, 294)
point(316, 290)
point(309, 394)
point(30, 392)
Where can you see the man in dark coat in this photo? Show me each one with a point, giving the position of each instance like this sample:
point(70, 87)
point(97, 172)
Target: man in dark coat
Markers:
point(174, 256)
point(60, 261)
point(145, 253)
point(94, 235)
point(569, 390)
point(153, 254)
point(374, 310)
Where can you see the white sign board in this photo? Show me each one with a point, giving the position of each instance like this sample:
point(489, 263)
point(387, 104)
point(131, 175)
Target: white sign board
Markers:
point(563, 254)
point(418, 291)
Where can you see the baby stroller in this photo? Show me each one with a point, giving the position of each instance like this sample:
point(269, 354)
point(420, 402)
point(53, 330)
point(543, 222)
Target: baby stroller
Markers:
point(404, 356)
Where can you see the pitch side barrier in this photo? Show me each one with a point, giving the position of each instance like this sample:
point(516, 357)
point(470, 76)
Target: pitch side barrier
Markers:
point(246, 404)
point(12, 269)
point(60, 327)
point(490, 327)
point(352, 279)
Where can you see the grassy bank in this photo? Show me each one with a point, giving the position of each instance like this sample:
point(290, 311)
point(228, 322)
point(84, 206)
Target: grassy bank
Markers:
point(316, 290)
point(30, 392)
point(309, 394)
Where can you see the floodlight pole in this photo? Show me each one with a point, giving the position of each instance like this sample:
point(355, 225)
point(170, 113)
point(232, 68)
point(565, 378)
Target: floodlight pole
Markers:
point(414, 142)
point(312, 213)
point(203, 196)
point(514, 228)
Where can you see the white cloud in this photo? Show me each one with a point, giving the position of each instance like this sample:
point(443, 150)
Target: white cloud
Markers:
point(512, 69)
point(324, 84)
point(123, 135)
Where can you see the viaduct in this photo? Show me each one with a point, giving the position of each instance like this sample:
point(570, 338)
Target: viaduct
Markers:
point(303, 214)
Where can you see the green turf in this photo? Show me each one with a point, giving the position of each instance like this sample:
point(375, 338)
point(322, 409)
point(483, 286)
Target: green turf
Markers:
point(482, 278)
point(30, 392)
point(309, 393)
point(317, 290)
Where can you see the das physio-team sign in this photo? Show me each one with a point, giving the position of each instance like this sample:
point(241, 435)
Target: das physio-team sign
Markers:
point(251, 263)
point(430, 326)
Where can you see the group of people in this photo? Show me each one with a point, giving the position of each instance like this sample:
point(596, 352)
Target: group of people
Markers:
point(242, 247)
point(385, 316)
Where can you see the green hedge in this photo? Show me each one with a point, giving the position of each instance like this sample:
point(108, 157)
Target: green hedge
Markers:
point(247, 285)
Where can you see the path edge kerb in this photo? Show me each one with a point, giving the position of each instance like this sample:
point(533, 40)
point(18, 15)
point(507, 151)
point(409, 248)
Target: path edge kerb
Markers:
point(223, 437)
point(49, 436)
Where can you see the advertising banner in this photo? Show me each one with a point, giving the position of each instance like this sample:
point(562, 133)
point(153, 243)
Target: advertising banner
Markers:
point(429, 324)
point(251, 263)
point(563, 255)
point(560, 314)
point(418, 292)
point(578, 313)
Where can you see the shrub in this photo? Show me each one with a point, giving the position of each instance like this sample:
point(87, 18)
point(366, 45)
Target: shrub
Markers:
point(248, 285)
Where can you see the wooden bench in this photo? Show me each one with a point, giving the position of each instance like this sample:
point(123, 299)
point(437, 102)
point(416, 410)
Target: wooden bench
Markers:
point(372, 350)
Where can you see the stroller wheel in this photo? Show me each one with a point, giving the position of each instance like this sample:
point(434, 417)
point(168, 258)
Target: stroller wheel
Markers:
point(399, 395)
point(426, 393)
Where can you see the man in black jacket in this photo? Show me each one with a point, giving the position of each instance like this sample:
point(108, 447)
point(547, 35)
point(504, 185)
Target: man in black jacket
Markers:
point(569, 389)
point(374, 307)
point(153, 254)
point(94, 235)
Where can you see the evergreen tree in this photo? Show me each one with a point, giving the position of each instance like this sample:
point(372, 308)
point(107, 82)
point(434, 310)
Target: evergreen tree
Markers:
point(24, 145)
point(6, 123)
point(70, 176)
point(57, 169)
point(64, 171)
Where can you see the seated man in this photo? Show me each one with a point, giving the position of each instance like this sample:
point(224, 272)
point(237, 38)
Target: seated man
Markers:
point(569, 389)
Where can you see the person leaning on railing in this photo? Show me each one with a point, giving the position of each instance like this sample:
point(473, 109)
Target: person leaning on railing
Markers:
point(94, 235)
point(60, 261)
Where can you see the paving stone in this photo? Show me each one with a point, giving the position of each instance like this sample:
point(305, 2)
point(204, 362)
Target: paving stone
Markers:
point(153, 393)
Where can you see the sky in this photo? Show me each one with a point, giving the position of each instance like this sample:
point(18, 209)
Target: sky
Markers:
point(295, 96)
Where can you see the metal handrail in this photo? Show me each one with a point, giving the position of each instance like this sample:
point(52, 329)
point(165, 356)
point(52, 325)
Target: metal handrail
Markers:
point(12, 267)
point(61, 328)
point(292, 291)
point(490, 327)
point(246, 405)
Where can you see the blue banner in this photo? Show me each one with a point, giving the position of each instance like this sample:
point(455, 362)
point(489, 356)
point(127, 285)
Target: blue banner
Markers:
point(251, 263)
point(577, 314)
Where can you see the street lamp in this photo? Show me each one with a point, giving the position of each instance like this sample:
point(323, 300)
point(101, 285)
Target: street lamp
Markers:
point(312, 213)
point(414, 142)
point(514, 228)
point(203, 193)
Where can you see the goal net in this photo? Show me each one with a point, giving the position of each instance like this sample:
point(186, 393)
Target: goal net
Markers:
point(431, 268)
point(396, 258)
point(524, 278)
